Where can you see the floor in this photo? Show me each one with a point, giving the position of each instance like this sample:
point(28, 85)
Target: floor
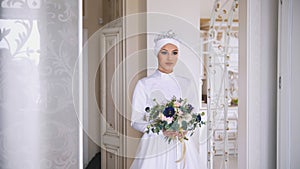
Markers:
point(219, 164)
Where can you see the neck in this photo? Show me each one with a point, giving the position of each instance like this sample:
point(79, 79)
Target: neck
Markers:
point(165, 71)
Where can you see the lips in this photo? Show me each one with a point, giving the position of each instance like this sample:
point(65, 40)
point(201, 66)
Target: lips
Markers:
point(169, 63)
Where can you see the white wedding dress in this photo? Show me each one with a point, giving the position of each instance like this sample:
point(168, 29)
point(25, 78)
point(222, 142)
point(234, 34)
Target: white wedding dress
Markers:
point(153, 151)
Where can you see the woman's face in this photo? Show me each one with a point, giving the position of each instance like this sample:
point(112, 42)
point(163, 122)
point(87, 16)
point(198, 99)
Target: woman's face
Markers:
point(167, 58)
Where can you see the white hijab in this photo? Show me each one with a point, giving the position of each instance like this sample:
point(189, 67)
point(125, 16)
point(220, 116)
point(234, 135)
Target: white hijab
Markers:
point(164, 39)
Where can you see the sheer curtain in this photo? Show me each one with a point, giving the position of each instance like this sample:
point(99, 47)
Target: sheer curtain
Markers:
point(38, 55)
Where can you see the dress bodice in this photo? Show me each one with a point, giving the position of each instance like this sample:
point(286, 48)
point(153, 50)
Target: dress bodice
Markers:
point(159, 86)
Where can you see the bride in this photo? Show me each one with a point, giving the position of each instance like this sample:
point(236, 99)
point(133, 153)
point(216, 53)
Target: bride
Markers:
point(153, 151)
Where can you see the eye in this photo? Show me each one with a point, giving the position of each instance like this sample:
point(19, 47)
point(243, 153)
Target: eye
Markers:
point(175, 52)
point(164, 52)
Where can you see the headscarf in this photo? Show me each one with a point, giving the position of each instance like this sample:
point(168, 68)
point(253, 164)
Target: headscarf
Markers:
point(163, 39)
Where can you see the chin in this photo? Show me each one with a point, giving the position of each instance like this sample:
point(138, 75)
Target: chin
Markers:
point(169, 70)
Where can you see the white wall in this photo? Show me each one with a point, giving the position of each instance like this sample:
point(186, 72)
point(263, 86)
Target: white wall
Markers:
point(257, 84)
point(188, 10)
point(295, 90)
point(206, 8)
point(288, 138)
point(268, 82)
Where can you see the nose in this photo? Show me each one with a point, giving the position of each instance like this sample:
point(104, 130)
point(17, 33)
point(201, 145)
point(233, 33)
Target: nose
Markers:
point(170, 57)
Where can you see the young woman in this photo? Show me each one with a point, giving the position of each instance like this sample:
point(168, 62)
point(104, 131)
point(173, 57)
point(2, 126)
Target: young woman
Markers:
point(154, 151)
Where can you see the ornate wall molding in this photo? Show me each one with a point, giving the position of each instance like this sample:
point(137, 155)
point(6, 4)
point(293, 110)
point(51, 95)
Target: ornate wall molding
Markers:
point(111, 96)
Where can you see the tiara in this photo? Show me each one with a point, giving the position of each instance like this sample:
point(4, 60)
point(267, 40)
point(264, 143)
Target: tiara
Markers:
point(168, 35)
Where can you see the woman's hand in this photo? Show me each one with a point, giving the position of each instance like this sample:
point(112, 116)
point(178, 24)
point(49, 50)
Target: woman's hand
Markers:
point(174, 134)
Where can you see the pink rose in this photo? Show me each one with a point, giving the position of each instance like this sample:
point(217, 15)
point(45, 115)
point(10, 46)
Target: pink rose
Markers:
point(177, 104)
point(167, 119)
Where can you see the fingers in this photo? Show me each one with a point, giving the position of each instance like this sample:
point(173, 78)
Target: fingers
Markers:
point(175, 134)
point(170, 133)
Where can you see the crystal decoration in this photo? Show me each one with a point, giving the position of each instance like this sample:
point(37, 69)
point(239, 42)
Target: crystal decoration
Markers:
point(167, 35)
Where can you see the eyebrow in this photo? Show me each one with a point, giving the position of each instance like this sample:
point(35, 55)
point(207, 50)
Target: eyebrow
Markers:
point(172, 50)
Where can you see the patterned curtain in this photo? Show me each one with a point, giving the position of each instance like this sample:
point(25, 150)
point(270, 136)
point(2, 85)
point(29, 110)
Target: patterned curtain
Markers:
point(38, 55)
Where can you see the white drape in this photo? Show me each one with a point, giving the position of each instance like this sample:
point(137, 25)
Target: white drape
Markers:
point(38, 121)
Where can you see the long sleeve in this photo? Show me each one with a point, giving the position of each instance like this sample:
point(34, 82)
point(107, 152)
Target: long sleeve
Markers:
point(139, 103)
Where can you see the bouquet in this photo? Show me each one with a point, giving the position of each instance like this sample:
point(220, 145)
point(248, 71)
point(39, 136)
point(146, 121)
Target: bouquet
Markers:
point(176, 116)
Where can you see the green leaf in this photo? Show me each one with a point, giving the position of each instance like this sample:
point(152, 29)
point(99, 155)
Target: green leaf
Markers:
point(184, 125)
point(167, 126)
point(175, 126)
